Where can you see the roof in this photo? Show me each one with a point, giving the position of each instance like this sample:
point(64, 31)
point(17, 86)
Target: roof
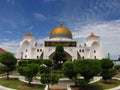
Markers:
point(2, 50)
point(28, 34)
point(92, 35)
point(80, 46)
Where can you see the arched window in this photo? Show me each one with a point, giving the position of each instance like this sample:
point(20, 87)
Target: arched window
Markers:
point(26, 50)
point(25, 56)
point(40, 50)
point(95, 57)
point(94, 51)
point(37, 50)
point(83, 50)
point(80, 50)
point(37, 56)
point(83, 57)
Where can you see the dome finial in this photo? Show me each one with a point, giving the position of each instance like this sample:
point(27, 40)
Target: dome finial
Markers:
point(61, 24)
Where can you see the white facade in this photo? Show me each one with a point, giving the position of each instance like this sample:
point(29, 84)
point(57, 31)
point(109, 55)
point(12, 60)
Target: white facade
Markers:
point(92, 48)
point(30, 50)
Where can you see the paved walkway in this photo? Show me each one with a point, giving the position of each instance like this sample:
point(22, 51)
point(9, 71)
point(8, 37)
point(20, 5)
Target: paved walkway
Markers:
point(5, 88)
point(116, 88)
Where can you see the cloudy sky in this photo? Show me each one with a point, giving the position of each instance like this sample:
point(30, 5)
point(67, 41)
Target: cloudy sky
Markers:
point(39, 17)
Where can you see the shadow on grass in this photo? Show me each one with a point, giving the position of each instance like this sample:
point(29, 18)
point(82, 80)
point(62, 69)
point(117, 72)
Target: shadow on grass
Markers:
point(87, 87)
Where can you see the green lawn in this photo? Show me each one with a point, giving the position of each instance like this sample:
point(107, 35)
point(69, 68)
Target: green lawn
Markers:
point(16, 84)
point(100, 85)
point(87, 87)
point(110, 84)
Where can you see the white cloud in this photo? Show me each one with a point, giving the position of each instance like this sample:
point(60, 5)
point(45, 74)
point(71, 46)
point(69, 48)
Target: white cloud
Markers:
point(8, 32)
point(11, 1)
point(40, 16)
point(108, 31)
point(41, 40)
point(11, 46)
point(30, 28)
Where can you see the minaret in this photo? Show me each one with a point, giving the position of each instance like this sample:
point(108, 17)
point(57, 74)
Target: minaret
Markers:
point(26, 44)
point(93, 47)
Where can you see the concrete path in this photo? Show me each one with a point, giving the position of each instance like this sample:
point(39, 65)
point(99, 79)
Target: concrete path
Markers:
point(116, 88)
point(5, 88)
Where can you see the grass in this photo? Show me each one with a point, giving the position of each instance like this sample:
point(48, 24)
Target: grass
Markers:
point(87, 87)
point(16, 84)
point(110, 84)
point(100, 85)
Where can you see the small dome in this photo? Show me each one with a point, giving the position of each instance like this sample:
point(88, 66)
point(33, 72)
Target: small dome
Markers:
point(61, 32)
point(28, 34)
point(92, 35)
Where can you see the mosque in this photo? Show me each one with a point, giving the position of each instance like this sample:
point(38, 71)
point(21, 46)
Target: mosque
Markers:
point(29, 49)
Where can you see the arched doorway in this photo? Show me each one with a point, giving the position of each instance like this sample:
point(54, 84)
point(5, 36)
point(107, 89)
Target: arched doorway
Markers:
point(68, 56)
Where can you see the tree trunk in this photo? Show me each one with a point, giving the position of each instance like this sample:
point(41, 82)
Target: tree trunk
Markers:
point(48, 87)
point(8, 75)
point(29, 81)
point(29, 84)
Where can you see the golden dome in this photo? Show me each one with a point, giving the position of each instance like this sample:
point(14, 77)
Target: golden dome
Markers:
point(60, 32)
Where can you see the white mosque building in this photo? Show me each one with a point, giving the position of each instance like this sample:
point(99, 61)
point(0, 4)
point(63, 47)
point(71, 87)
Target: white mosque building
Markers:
point(60, 35)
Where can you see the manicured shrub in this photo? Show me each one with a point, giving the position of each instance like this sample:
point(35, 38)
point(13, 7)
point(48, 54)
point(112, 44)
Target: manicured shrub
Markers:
point(117, 67)
point(36, 61)
point(49, 79)
point(107, 69)
point(8, 61)
point(47, 62)
point(22, 63)
point(44, 70)
point(87, 68)
point(59, 57)
point(68, 69)
point(107, 63)
point(29, 71)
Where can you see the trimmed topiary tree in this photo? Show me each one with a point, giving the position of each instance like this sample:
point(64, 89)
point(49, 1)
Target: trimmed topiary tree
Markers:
point(87, 68)
point(117, 67)
point(68, 69)
point(44, 70)
point(29, 71)
point(47, 62)
point(8, 61)
point(59, 57)
point(107, 69)
point(106, 63)
point(49, 79)
point(22, 63)
point(107, 74)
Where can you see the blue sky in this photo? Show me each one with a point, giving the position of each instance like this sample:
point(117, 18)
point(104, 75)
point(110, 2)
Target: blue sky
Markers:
point(39, 17)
